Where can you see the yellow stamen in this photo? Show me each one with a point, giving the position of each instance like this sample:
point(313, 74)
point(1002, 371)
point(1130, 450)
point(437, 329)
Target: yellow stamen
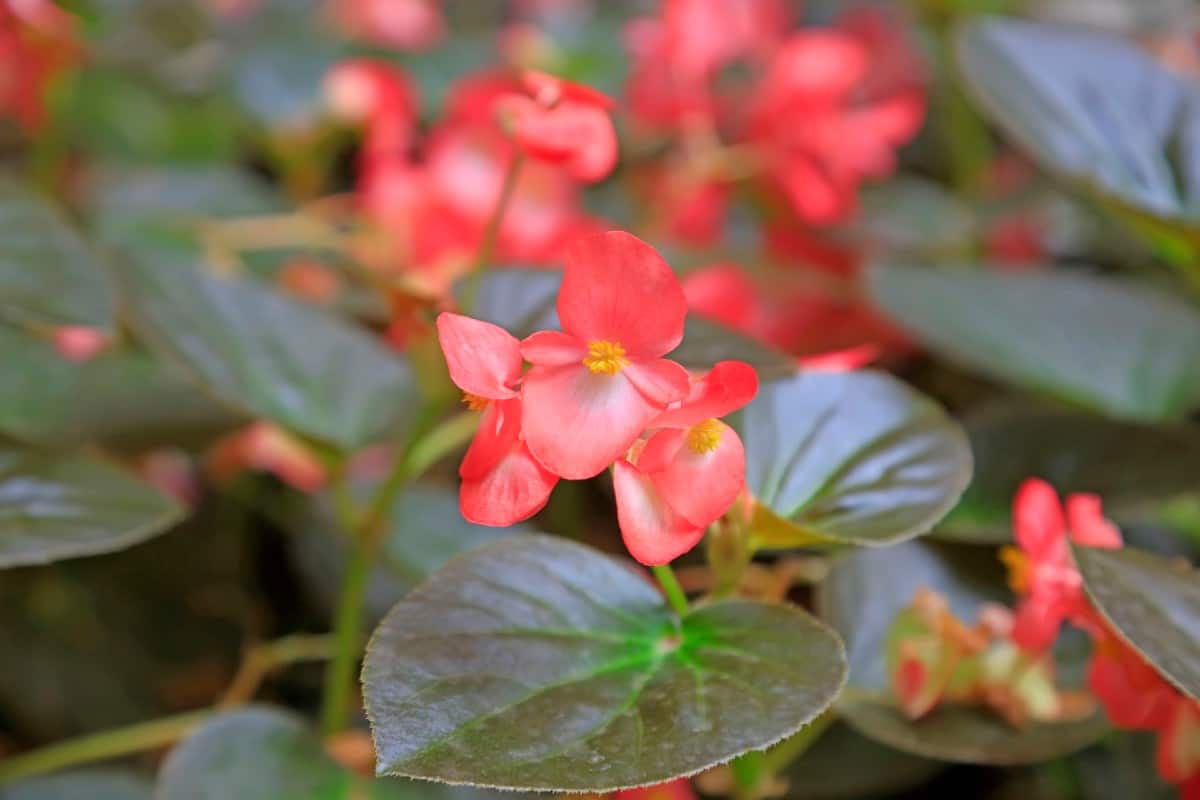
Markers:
point(474, 402)
point(605, 357)
point(1018, 568)
point(705, 437)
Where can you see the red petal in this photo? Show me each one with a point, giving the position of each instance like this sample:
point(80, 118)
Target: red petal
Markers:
point(1038, 523)
point(728, 386)
point(1088, 525)
point(553, 349)
point(1036, 623)
point(660, 381)
point(498, 432)
point(515, 489)
point(577, 422)
point(541, 84)
point(617, 288)
point(702, 486)
point(652, 531)
point(482, 358)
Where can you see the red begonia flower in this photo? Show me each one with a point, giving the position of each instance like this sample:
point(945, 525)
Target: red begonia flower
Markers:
point(689, 472)
point(1042, 570)
point(596, 385)
point(678, 789)
point(380, 96)
point(79, 342)
point(1134, 695)
point(1178, 755)
point(563, 123)
point(406, 24)
point(37, 44)
point(502, 483)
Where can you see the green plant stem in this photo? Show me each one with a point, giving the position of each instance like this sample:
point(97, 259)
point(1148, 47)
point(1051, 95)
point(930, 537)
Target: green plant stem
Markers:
point(368, 531)
point(102, 746)
point(491, 233)
point(672, 589)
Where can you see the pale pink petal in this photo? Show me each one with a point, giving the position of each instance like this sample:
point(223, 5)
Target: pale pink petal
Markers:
point(702, 486)
point(1038, 524)
point(553, 349)
point(1088, 525)
point(483, 359)
point(515, 489)
point(498, 431)
point(728, 386)
point(660, 381)
point(653, 533)
point(577, 422)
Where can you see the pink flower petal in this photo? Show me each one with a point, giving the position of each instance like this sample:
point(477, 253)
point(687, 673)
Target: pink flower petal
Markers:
point(728, 386)
point(1088, 525)
point(483, 359)
point(515, 489)
point(553, 349)
point(653, 533)
point(702, 486)
point(1038, 523)
point(660, 381)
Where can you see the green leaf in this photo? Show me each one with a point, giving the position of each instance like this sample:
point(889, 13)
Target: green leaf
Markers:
point(274, 357)
point(1153, 603)
point(260, 753)
point(425, 531)
point(537, 663)
point(1093, 108)
point(54, 507)
point(1136, 468)
point(133, 400)
point(48, 275)
point(1109, 345)
point(861, 598)
point(912, 216)
point(96, 784)
point(833, 769)
point(855, 457)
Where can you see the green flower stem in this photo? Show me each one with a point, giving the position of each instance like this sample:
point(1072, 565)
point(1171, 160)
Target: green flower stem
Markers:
point(672, 589)
point(368, 531)
point(102, 746)
point(491, 233)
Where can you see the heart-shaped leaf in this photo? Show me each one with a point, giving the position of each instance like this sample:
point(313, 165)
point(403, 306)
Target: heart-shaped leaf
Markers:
point(48, 275)
point(1135, 468)
point(866, 590)
point(95, 784)
point(855, 457)
point(271, 356)
point(53, 508)
point(523, 301)
point(1153, 603)
point(133, 400)
point(537, 663)
point(1092, 108)
point(260, 753)
point(1109, 345)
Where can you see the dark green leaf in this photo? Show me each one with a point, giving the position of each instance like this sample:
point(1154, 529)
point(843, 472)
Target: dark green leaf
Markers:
point(1135, 468)
point(854, 457)
point(426, 530)
point(48, 275)
point(705, 343)
point(133, 400)
point(1093, 108)
point(53, 508)
point(1153, 603)
point(537, 663)
point(912, 216)
point(861, 598)
point(81, 785)
point(271, 356)
point(1106, 344)
point(845, 765)
point(264, 754)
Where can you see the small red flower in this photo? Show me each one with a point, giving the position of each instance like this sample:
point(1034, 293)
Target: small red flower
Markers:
point(1041, 568)
point(266, 447)
point(563, 123)
point(405, 24)
point(689, 472)
point(37, 44)
point(501, 481)
point(1134, 695)
point(596, 385)
point(78, 342)
point(1179, 744)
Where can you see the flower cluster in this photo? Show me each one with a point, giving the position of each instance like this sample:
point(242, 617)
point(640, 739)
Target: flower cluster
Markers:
point(928, 647)
point(431, 196)
point(600, 394)
point(37, 43)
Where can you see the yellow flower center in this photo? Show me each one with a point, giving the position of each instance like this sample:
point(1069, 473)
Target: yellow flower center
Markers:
point(605, 357)
point(474, 402)
point(1018, 568)
point(705, 437)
